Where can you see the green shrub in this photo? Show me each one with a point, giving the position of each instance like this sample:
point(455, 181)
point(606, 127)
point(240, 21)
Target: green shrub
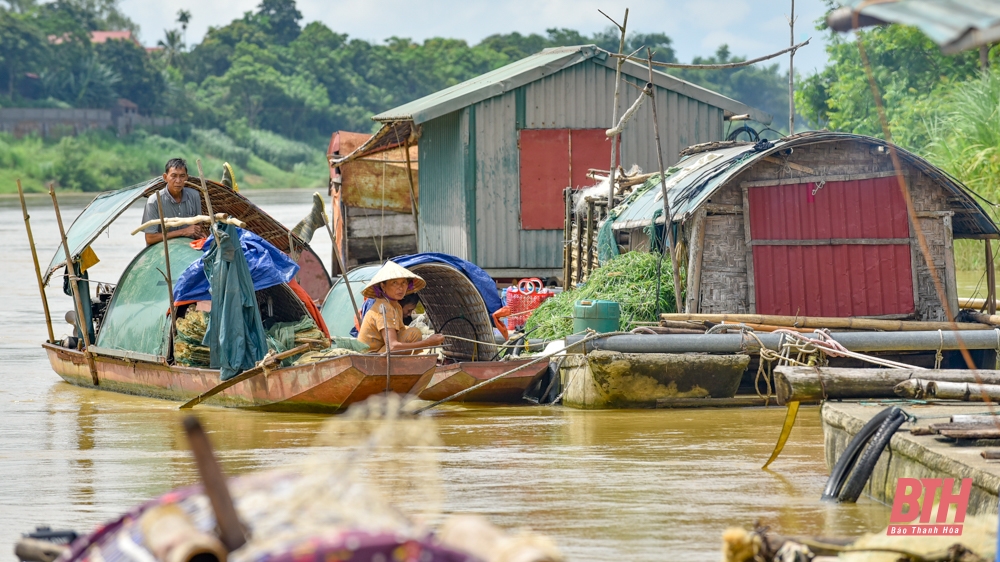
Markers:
point(278, 150)
point(214, 142)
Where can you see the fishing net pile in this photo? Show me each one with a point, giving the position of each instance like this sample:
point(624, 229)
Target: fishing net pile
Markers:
point(188, 350)
point(343, 502)
point(628, 279)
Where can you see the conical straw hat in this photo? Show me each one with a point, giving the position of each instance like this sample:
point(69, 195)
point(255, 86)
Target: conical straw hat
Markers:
point(392, 270)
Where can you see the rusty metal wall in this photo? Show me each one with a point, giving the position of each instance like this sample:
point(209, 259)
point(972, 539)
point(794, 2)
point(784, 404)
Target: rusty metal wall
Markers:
point(443, 226)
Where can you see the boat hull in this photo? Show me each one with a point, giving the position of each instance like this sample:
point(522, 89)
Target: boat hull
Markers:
point(456, 377)
point(327, 386)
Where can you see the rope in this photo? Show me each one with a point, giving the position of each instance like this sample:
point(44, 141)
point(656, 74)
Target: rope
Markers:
point(381, 245)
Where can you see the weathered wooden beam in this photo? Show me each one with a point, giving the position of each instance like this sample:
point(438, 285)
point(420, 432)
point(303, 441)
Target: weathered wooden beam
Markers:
point(924, 387)
point(817, 322)
point(819, 383)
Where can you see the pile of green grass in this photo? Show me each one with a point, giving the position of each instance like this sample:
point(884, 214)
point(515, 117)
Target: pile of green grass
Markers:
point(628, 279)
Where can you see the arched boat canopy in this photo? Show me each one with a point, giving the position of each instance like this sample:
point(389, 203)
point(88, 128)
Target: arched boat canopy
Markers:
point(107, 207)
point(137, 322)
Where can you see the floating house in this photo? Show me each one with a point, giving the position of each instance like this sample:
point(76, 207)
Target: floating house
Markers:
point(497, 151)
point(374, 216)
point(812, 225)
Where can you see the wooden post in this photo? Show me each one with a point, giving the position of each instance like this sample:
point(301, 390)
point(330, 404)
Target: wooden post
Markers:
point(791, 72)
point(590, 237)
point(166, 258)
point(614, 110)
point(81, 317)
point(667, 218)
point(34, 258)
point(567, 236)
point(579, 250)
point(991, 280)
point(343, 270)
point(697, 252)
point(214, 482)
point(812, 384)
point(413, 194)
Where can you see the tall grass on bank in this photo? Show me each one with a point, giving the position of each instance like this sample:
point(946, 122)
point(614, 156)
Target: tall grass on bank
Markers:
point(102, 161)
point(965, 142)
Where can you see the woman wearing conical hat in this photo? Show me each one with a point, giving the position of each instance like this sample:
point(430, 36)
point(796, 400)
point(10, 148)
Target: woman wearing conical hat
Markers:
point(385, 317)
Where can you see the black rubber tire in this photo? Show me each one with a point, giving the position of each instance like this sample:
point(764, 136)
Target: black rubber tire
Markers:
point(866, 462)
point(846, 461)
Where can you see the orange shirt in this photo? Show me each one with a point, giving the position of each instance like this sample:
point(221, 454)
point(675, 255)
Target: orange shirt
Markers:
point(373, 325)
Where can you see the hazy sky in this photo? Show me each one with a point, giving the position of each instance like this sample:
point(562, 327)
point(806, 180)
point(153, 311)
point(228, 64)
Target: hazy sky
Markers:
point(751, 27)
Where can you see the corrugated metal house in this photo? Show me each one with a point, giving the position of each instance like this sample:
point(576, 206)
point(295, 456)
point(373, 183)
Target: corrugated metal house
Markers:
point(812, 225)
point(497, 151)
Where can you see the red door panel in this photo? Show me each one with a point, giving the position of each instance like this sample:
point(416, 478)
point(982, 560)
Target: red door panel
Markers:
point(544, 175)
point(590, 148)
point(850, 279)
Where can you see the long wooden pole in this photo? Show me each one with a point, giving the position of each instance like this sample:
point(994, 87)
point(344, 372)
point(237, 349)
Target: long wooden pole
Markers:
point(166, 258)
point(343, 270)
point(991, 279)
point(248, 374)
point(815, 322)
point(208, 203)
point(614, 110)
point(791, 72)
point(34, 258)
point(214, 483)
point(667, 219)
point(81, 317)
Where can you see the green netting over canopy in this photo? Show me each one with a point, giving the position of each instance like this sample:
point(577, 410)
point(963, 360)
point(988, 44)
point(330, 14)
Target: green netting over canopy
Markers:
point(137, 319)
point(94, 219)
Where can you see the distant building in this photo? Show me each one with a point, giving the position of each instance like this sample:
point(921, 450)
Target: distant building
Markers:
point(497, 151)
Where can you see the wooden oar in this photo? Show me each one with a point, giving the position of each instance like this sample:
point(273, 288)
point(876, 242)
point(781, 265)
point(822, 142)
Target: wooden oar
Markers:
point(249, 373)
point(34, 258)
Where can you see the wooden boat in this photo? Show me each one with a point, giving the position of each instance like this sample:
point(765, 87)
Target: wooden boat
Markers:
point(327, 386)
point(131, 342)
point(452, 378)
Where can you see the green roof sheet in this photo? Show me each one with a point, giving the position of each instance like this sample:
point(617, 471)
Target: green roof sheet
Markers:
point(955, 25)
point(540, 65)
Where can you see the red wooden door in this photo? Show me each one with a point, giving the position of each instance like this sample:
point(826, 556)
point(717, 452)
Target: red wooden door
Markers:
point(837, 249)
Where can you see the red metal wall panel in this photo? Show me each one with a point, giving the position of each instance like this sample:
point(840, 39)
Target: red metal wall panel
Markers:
point(590, 148)
point(831, 280)
point(544, 175)
point(872, 208)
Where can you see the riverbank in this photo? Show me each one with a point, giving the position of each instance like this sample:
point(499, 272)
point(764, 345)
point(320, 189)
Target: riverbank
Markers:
point(914, 456)
point(101, 161)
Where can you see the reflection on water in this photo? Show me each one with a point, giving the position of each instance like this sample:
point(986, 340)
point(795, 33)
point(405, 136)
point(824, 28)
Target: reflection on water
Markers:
point(645, 485)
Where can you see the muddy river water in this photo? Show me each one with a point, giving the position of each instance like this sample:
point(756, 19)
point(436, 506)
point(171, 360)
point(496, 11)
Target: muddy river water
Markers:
point(639, 485)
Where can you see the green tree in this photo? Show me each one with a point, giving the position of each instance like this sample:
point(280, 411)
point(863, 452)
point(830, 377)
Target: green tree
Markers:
point(139, 80)
point(910, 72)
point(281, 18)
point(184, 18)
point(172, 46)
point(252, 84)
point(22, 46)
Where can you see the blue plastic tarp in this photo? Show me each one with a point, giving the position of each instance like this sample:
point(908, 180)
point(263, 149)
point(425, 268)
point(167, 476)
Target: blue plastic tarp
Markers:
point(269, 266)
point(485, 284)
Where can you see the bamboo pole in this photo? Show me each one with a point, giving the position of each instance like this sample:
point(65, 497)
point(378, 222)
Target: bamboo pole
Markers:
point(343, 270)
point(791, 73)
point(816, 322)
point(991, 280)
point(588, 263)
point(34, 258)
point(166, 258)
point(614, 110)
point(81, 317)
point(714, 66)
point(949, 390)
point(567, 237)
point(208, 203)
point(809, 384)
point(214, 483)
point(667, 220)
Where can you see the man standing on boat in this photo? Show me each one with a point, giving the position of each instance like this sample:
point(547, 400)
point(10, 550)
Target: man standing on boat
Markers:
point(178, 202)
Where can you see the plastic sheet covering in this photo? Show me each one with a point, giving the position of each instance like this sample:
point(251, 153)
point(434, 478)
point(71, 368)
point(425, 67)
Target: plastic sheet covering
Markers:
point(337, 310)
point(268, 265)
point(137, 319)
point(101, 212)
point(235, 334)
